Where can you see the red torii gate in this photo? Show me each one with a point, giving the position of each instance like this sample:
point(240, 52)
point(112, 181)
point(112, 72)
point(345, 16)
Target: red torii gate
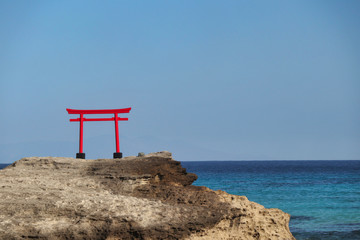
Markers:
point(117, 154)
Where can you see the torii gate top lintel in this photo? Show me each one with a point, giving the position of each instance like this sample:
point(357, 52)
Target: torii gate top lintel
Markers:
point(98, 111)
point(117, 154)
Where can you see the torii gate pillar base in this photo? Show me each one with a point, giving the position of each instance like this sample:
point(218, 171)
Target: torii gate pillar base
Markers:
point(118, 155)
point(80, 155)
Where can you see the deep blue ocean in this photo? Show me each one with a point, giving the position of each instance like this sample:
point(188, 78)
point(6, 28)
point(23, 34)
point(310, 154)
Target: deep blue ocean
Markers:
point(322, 197)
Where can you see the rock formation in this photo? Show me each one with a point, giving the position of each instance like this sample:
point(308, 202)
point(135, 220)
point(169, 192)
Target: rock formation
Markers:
point(146, 197)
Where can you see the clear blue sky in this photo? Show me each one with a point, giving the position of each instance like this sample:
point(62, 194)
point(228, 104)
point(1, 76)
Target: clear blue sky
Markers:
point(207, 80)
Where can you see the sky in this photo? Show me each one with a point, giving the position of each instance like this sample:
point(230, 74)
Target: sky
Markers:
point(206, 80)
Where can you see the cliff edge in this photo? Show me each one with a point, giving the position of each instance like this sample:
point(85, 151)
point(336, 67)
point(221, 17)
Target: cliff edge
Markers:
point(148, 197)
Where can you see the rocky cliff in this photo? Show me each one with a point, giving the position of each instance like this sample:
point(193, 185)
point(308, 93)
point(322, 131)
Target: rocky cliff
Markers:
point(148, 197)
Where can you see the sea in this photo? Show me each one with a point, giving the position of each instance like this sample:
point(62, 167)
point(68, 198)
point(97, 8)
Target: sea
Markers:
point(322, 197)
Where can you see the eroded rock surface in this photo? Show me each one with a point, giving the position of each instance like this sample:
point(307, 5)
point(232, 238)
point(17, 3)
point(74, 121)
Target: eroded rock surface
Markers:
point(147, 197)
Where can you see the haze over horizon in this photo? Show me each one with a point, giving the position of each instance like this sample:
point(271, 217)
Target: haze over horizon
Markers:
point(206, 80)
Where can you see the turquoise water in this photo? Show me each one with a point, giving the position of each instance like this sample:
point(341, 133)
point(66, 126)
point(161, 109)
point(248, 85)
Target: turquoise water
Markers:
point(323, 197)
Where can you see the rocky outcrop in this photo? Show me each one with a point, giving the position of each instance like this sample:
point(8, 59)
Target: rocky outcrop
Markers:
point(145, 197)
